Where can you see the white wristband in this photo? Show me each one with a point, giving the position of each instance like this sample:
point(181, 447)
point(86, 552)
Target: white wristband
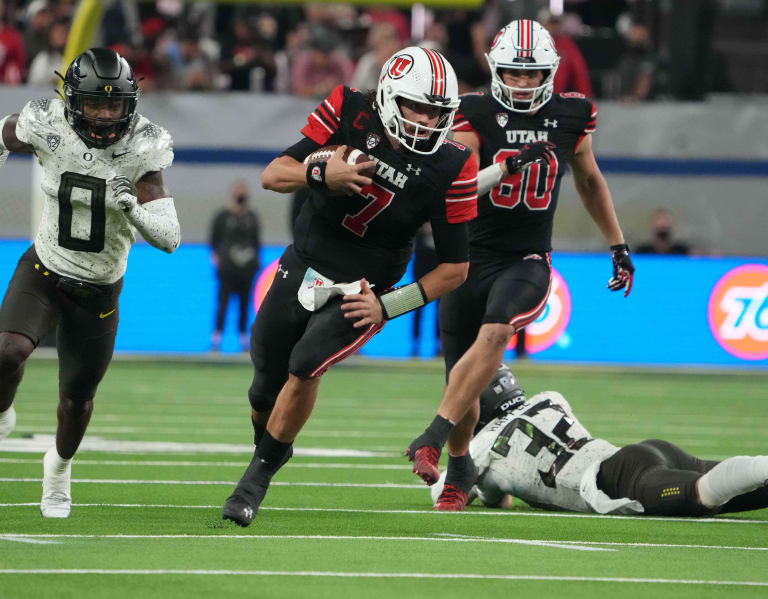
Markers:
point(488, 178)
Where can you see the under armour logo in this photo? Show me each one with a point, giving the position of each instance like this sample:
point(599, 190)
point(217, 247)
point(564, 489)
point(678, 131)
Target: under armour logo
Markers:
point(552, 123)
point(414, 169)
point(248, 512)
point(281, 271)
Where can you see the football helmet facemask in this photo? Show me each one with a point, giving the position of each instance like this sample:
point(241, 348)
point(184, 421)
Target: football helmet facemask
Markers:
point(100, 96)
point(501, 395)
point(523, 44)
point(423, 76)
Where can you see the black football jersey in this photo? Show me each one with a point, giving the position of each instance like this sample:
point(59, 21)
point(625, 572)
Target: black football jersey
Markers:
point(371, 234)
point(517, 214)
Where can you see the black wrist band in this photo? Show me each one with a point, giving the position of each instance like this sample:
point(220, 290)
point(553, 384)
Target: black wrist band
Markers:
point(620, 247)
point(316, 175)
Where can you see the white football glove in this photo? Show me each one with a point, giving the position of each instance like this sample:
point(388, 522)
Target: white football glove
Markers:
point(122, 192)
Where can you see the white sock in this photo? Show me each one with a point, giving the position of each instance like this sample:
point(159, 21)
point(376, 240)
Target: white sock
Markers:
point(732, 477)
point(8, 416)
point(59, 464)
point(8, 420)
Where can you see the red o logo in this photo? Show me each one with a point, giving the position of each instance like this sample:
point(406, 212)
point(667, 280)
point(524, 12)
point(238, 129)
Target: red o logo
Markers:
point(553, 320)
point(738, 312)
point(400, 66)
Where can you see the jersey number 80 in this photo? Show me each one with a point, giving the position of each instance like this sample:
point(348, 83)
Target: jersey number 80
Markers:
point(532, 185)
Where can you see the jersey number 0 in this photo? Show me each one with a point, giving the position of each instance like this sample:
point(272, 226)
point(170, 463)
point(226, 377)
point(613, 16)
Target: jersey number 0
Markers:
point(98, 189)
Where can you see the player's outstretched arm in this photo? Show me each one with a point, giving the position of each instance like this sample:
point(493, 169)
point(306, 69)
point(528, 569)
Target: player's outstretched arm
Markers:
point(151, 210)
point(8, 140)
point(594, 192)
point(596, 197)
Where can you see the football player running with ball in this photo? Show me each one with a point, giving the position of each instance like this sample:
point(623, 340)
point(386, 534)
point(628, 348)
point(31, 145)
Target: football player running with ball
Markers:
point(353, 241)
point(101, 163)
point(536, 449)
point(524, 136)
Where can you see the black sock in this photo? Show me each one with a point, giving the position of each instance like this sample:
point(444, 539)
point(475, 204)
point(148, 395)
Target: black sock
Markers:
point(461, 472)
point(438, 431)
point(258, 431)
point(272, 451)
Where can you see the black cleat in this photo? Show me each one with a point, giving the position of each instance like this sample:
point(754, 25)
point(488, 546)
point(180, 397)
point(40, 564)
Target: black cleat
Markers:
point(239, 511)
point(242, 506)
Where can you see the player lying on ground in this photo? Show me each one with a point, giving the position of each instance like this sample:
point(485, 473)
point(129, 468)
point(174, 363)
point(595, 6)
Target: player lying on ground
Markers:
point(101, 180)
point(526, 138)
point(537, 450)
point(353, 233)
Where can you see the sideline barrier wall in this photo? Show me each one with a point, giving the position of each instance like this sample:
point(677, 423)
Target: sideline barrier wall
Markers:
point(682, 311)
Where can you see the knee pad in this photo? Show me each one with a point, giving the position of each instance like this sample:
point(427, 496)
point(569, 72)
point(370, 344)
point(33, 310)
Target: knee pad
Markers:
point(262, 395)
point(75, 407)
point(13, 353)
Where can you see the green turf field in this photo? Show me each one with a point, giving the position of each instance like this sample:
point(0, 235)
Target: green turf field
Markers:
point(346, 518)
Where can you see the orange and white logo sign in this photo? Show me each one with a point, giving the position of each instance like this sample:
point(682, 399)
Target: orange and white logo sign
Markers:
point(738, 312)
point(264, 282)
point(552, 322)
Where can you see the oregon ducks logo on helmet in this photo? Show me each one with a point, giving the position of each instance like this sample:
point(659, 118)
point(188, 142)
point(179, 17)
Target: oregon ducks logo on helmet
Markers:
point(108, 89)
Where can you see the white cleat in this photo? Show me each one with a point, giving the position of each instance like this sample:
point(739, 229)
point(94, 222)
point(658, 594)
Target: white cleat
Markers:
point(7, 422)
point(57, 500)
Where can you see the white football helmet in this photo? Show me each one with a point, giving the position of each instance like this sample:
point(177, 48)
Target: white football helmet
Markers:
point(424, 76)
point(523, 44)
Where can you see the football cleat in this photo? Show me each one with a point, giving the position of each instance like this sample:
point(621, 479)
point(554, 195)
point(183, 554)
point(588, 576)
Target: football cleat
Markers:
point(57, 500)
point(459, 480)
point(242, 506)
point(452, 499)
point(7, 422)
point(425, 460)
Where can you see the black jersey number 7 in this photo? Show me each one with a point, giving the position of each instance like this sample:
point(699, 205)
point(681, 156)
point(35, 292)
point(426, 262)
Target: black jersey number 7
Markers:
point(98, 189)
point(379, 198)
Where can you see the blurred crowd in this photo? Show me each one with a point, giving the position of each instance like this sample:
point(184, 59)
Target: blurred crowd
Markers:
point(609, 48)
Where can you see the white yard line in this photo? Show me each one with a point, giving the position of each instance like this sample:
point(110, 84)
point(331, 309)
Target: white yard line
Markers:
point(209, 431)
point(41, 444)
point(294, 464)
point(571, 546)
point(499, 513)
point(448, 538)
point(17, 539)
point(417, 575)
point(120, 481)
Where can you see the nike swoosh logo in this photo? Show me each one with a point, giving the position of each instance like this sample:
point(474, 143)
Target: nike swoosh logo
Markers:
point(102, 315)
point(118, 155)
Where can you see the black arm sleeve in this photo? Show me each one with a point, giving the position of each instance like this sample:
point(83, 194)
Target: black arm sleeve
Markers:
point(301, 149)
point(451, 241)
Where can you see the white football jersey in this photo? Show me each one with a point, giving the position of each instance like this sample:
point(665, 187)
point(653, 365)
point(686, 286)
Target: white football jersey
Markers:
point(541, 453)
point(83, 234)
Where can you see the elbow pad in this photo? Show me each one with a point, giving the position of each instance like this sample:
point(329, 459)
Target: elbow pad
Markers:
point(488, 178)
point(157, 222)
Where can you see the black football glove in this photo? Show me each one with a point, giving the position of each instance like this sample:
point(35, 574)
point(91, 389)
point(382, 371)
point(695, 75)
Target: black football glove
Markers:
point(623, 269)
point(538, 150)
